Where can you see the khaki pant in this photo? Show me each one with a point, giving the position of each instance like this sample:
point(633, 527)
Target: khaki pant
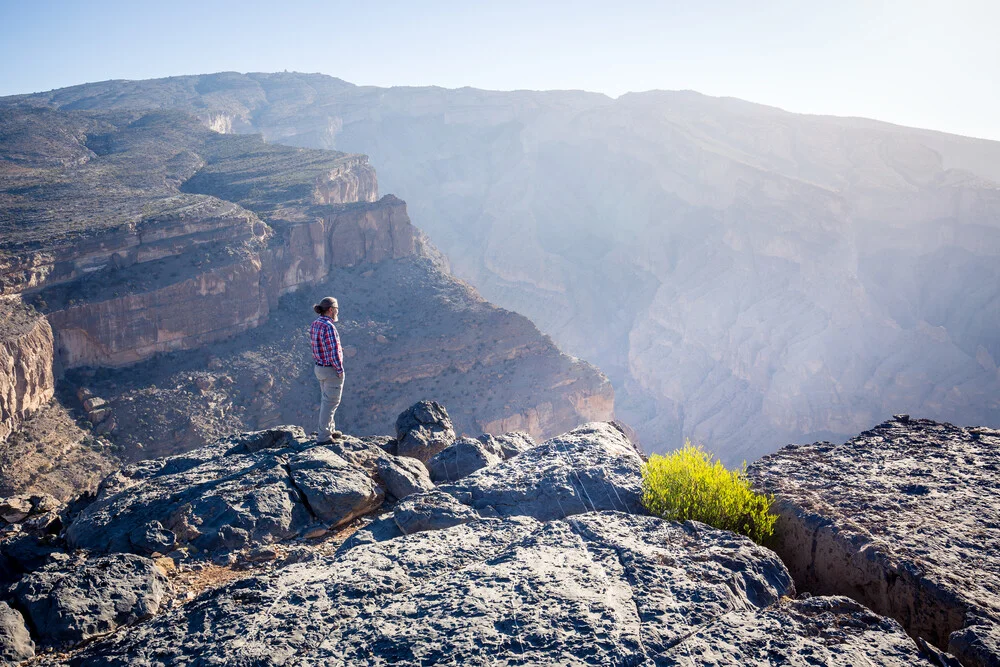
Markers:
point(331, 387)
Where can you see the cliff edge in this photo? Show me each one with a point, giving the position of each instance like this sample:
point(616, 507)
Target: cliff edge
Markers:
point(904, 518)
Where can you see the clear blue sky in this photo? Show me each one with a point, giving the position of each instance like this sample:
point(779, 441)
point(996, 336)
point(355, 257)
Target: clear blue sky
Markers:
point(926, 64)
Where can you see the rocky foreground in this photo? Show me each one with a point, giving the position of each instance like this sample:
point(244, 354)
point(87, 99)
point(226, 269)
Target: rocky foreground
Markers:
point(904, 518)
point(494, 550)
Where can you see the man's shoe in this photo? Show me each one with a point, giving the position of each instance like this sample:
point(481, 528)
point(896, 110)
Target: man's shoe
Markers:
point(336, 434)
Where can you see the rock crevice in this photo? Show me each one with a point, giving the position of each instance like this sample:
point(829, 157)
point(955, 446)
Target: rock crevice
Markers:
point(900, 518)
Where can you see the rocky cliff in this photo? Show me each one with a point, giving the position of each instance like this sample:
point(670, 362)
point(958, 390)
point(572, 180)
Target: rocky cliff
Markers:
point(539, 554)
point(904, 518)
point(26, 356)
point(143, 233)
point(746, 276)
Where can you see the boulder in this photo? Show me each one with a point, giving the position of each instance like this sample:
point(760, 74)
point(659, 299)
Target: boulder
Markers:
point(460, 459)
point(334, 490)
point(99, 415)
point(403, 476)
point(361, 452)
point(508, 445)
point(279, 437)
point(423, 430)
point(598, 588)
point(904, 518)
point(108, 425)
point(224, 496)
point(24, 552)
point(94, 403)
point(593, 467)
point(71, 603)
point(15, 642)
point(431, 511)
point(15, 509)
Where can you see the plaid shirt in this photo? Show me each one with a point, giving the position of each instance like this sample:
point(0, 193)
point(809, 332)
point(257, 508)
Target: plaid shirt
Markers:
point(326, 344)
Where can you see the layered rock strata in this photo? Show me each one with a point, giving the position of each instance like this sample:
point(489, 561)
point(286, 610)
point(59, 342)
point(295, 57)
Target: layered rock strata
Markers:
point(904, 518)
point(508, 580)
point(26, 356)
point(746, 276)
point(410, 331)
point(140, 234)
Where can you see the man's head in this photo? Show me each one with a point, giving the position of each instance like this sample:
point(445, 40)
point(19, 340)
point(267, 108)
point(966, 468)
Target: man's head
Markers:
point(328, 307)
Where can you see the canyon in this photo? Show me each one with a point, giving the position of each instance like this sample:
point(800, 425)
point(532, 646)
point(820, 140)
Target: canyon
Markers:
point(163, 274)
point(745, 276)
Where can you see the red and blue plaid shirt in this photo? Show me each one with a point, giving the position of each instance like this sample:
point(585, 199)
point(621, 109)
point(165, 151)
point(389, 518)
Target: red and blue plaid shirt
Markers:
point(326, 344)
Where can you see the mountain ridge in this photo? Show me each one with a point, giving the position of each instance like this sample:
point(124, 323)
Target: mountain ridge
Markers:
point(703, 252)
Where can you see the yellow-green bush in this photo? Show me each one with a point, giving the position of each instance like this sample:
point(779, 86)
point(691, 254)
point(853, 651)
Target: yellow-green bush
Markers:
point(688, 484)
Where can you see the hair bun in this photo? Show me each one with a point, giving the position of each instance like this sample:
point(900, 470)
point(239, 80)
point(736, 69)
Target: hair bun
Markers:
point(319, 311)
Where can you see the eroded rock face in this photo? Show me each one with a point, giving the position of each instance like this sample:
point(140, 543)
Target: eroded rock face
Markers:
point(604, 588)
point(904, 518)
point(713, 251)
point(15, 641)
point(147, 239)
point(26, 357)
point(70, 603)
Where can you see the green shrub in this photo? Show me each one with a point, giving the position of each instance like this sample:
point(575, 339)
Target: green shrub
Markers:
point(688, 484)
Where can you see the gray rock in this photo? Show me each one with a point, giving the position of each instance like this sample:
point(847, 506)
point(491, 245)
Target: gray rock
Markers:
point(152, 537)
point(593, 467)
point(431, 511)
point(23, 552)
point(460, 459)
point(978, 643)
point(904, 518)
point(279, 437)
point(423, 430)
point(384, 442)
point(361, 452)
point(207, 498)
point(69, 605)
point(847, 634)
point(508, 445)
point(599, 588)
point(403, 476)
point(334, 490)
point(15, 642)
point(15, 509)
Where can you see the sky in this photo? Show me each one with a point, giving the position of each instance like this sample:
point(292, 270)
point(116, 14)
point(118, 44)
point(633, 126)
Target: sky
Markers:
point(928, 64)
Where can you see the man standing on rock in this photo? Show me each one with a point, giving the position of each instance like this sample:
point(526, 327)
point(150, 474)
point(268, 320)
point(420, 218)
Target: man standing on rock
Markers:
point(329, 369)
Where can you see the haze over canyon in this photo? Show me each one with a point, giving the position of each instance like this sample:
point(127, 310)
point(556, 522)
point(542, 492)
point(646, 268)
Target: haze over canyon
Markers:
point(746, 276)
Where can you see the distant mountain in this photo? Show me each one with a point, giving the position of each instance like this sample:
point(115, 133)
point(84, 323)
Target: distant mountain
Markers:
point(746, 276)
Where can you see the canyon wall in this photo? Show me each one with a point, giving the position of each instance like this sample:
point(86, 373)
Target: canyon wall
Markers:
point(203, 247)
point(26, 357)
point(746, 276)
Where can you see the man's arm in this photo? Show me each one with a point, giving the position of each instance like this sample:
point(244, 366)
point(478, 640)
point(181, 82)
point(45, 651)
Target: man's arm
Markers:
point(337, 353)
